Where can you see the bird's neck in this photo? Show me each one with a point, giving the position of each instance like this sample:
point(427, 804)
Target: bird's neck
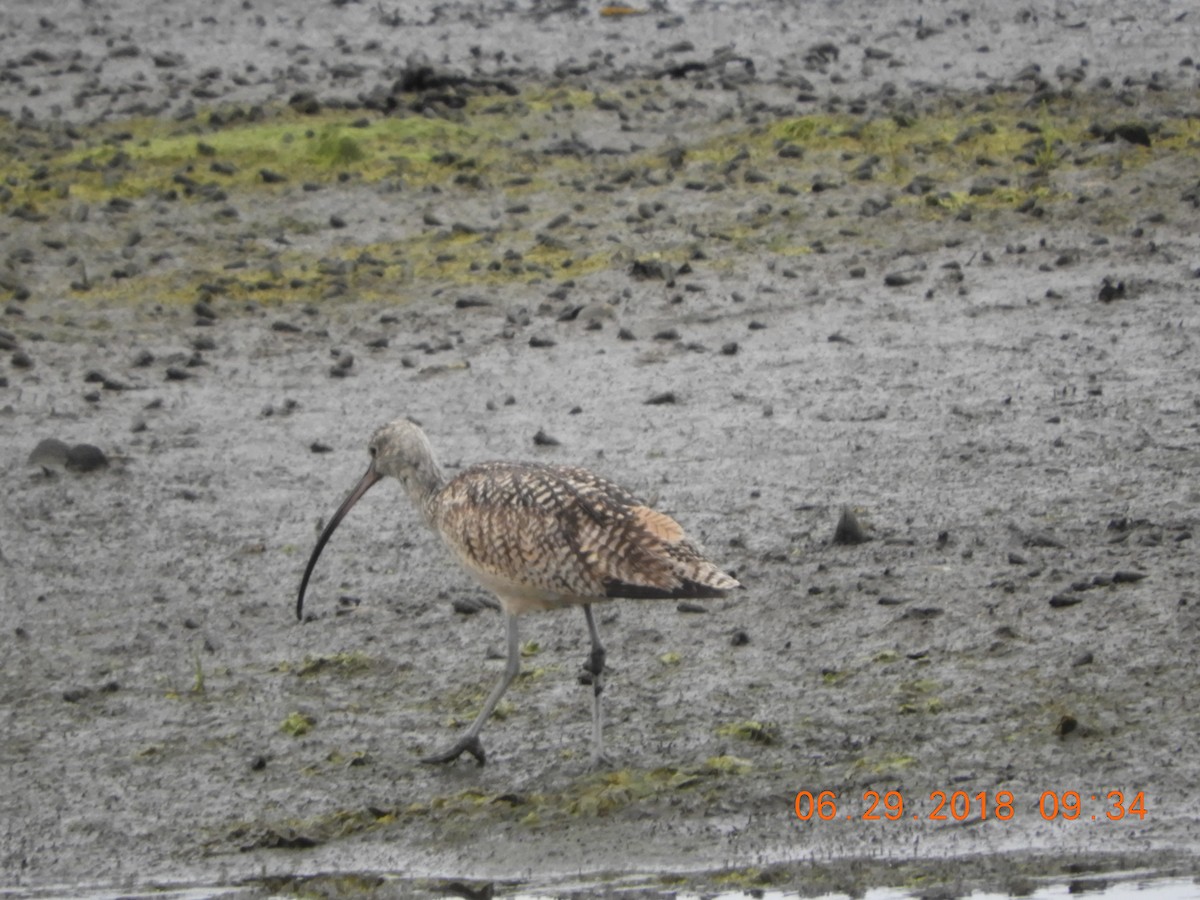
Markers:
point(424, 487)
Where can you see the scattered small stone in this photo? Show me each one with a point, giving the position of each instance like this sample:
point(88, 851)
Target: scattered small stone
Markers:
point(667, 334)
point(318, 447)
point(1110, 292)
point(469, 606)
point(285, 327)
point(174, 373)
point(625, 334)
point(651, 268)
point(204, 310)
point(849, 530)
point(269, 176)
point(1127, 577)
point(540, 342)
point(1042, 539)
point(900, 279)
point(86, 458)
point(541, 439)
point(1131, 132)
point(471, 302)
point(336, 221)
point(341, 368)
point(661, 399)
point(1083, 659)
point(49, 453)
point(22, 360)
point(1017, 559)
point(739, 638)
point(729, 348)
point(688, 606)
point(1059, 601)
point(922, 613)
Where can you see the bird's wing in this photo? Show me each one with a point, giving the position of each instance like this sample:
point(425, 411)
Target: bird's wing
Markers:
point(569, 532)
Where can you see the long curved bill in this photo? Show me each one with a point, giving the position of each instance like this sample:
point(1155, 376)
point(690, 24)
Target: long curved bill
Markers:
point(364, 484)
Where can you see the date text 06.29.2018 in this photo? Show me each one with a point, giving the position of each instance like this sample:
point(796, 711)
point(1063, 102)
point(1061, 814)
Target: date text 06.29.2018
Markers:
point(944, 806)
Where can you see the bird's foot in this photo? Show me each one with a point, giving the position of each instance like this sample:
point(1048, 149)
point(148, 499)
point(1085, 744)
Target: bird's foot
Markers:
point(467, 744)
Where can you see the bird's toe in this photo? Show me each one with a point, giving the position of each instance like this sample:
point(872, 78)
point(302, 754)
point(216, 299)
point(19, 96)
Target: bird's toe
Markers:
point(470, 744)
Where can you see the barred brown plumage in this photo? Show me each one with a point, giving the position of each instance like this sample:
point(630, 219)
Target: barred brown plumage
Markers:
point(540, 537)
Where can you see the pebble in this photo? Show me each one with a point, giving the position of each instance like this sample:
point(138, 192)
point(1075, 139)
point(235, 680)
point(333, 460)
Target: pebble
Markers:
point(849, 530)
point(1058, 601)
point(541, 439)
point(86, 458)
point(49, 453)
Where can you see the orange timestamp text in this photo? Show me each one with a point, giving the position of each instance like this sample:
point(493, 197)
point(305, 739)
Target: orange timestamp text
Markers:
point(943, 806)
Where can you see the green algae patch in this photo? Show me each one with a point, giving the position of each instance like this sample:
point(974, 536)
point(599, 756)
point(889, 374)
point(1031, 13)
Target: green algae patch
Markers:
point(915, 697)
point(755, 732)
point(885, 764)
point(262, 200)
point(339, 664)
point(297, 724)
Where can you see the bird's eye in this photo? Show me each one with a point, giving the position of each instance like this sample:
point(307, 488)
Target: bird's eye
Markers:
point(371, 450)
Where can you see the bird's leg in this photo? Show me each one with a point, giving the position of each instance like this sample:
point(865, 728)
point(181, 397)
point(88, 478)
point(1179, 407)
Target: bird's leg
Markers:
point(595, 665)
point(469, 742)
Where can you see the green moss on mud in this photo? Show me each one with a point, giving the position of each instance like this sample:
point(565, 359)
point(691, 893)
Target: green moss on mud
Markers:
point(788, 186)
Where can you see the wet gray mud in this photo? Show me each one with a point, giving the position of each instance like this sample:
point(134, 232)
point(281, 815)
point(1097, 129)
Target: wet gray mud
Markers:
point(712, 273)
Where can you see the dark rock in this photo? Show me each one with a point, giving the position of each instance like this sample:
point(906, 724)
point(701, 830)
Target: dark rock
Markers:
point(49, 453)
point(1127, 577)
point(86, 458)
point(541, 439)
point(664, 398)
point(305, 102)
point(1110, 292)
point(1131, 132)
point(651, 268)
point(1058, 601)
point(849, 530)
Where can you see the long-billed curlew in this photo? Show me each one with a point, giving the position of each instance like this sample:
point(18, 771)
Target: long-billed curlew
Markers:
point(540, 537)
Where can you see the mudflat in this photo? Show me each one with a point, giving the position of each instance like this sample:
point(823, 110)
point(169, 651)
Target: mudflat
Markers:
point(926, 270)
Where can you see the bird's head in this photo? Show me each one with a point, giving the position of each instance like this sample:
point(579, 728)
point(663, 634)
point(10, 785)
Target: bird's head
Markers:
point(399, 449)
